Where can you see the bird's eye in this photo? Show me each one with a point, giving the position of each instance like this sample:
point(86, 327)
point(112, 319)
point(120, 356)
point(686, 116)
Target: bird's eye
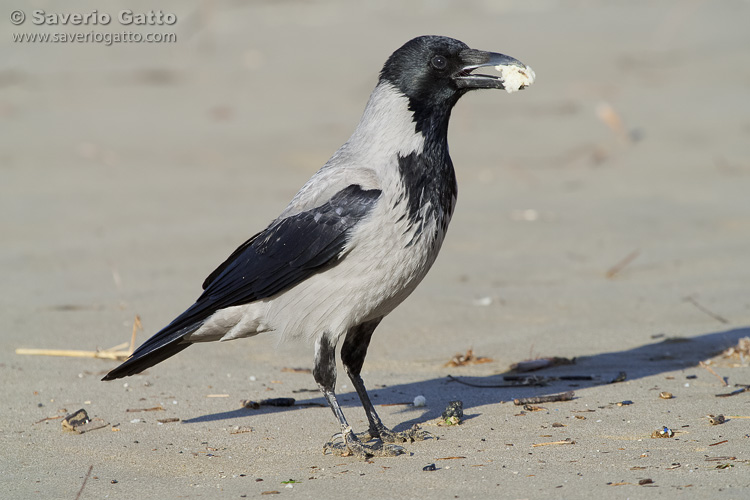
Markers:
point(439, 62)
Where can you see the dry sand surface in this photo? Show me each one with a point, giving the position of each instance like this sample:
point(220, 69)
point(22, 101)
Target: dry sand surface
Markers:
point(603, 215)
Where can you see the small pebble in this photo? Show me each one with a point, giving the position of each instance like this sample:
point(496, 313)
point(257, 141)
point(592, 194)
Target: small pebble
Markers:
point(718, 419)
point(664, 432)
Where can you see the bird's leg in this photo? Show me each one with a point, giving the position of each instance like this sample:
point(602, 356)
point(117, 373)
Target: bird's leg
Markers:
point(325, 375)
point(353, 354)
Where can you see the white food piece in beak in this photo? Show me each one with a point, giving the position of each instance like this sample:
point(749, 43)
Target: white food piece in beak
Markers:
point(515, 78)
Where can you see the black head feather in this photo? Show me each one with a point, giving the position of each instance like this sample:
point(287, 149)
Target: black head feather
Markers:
point(422, 69)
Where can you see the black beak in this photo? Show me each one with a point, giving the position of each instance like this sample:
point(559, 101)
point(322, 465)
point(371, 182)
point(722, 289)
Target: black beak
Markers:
point(474, 59)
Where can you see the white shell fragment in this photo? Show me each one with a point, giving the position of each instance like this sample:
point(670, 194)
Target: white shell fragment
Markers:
point(515, 78)
point(420, 401)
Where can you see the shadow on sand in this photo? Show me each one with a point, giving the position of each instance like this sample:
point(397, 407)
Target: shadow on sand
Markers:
point(666, 355)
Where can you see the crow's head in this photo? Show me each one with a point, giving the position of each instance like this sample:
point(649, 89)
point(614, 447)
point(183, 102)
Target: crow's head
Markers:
point(433, 72)
point(437, 70)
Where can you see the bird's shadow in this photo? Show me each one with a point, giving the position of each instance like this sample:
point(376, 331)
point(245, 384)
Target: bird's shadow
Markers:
point(666, 355)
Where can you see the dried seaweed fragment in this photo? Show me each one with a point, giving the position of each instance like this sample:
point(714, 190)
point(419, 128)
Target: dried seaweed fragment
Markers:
point(467, 359)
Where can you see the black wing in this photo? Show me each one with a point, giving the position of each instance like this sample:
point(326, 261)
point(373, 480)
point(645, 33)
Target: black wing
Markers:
point(287, 252)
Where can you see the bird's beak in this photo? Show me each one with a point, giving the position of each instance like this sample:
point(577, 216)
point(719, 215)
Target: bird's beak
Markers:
point(512, 74)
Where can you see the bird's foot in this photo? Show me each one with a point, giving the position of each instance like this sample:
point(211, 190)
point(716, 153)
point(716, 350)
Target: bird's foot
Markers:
point(388, 436)
point(408, 436)
point(347, 444)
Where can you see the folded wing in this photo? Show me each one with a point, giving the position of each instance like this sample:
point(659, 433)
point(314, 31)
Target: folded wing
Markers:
point(287, 252)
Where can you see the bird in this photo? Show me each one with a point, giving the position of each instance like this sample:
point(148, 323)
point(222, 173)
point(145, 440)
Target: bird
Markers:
point(357, 238)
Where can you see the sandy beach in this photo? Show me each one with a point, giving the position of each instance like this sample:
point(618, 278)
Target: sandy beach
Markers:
point(603, 217)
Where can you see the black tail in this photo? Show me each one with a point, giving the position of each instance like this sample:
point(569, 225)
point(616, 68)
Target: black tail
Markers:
point(164, 344)
point(136, 364)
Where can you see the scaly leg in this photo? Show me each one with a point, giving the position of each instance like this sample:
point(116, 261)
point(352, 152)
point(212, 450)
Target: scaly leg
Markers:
point(325, 375)
point(353, 354)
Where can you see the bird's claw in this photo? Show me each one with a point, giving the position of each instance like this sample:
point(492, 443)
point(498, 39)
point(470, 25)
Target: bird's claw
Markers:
point(408, 436)
point(348, 445)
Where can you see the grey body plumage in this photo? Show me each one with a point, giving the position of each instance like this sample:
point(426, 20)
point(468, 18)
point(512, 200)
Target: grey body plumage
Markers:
point(356, 239)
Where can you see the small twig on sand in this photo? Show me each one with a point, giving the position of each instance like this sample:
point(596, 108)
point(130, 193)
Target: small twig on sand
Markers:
point(85, 479)
point(491, 386)
point(114, 353)
point(744, 388)
point(615, 270)
point(57, 417)
point(254, 405)
point(712, 372)
point(136, 326)
point(702, 308)
point(531, 365)
point(566, 441)
point(155, 408)
point(564, 396)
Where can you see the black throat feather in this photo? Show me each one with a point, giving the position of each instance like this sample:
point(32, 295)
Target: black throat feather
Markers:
point(428, 175)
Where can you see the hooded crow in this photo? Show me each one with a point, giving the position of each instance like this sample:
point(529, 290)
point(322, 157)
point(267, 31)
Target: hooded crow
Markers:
point(358, 237)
